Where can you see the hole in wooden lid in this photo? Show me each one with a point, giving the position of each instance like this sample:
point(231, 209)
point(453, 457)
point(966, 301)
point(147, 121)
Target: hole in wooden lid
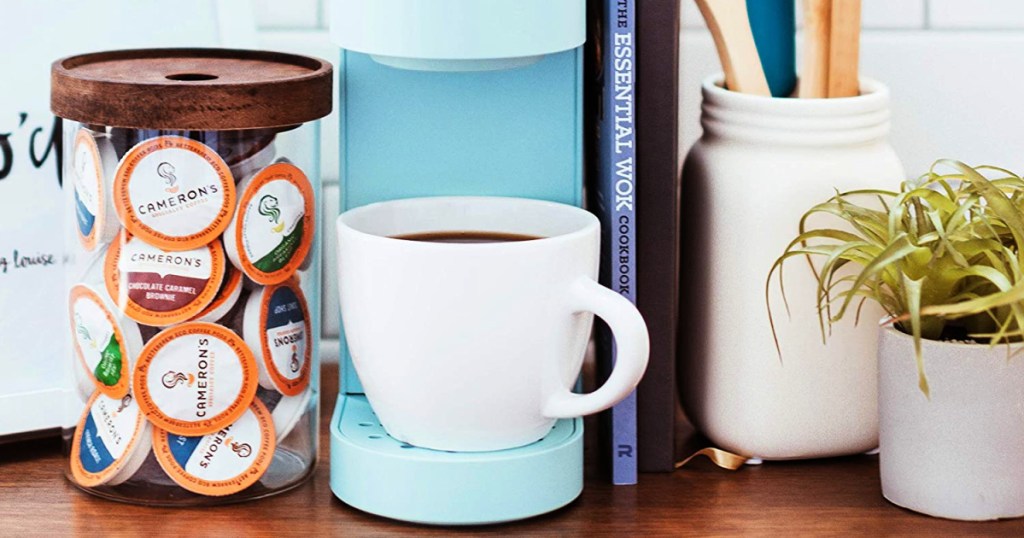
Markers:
point(192, 77)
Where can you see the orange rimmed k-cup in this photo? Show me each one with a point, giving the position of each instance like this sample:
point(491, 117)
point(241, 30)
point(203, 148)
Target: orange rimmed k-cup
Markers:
point(273, 229)
point(277, 327)
point(226, 298)
point(174, 193)
point(195, 378)
point(111, 441)
point(160, 288)
point(94, 163)
point(223, 462)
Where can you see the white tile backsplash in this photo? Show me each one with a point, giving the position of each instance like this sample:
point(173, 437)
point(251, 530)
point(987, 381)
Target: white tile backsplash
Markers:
point(943, 69)
point(330, 205)
point(891, 14)
point(880, 14)
point(287, 13)
point(976, 14)
point(950, 96)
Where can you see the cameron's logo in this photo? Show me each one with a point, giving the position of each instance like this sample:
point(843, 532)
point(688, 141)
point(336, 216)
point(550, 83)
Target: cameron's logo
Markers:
point(83, 331)
point(242, 449)
point(125, 402)
point(194, 195)
point(172, 379)
point(166, 171)
point(269, 207)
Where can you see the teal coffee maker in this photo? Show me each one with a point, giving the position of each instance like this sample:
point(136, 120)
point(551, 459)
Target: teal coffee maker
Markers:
point(456, 97)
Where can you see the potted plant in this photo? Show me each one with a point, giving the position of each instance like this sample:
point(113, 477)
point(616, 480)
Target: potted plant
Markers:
point(943, 256)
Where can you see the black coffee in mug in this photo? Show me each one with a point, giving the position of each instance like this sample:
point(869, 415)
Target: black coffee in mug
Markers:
point(466, 237)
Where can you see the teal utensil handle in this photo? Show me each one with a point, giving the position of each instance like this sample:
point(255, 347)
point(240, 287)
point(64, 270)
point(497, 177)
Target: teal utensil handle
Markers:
point(774, 25)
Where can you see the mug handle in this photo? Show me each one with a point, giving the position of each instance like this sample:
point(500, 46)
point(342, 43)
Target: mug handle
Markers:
point(632, 345)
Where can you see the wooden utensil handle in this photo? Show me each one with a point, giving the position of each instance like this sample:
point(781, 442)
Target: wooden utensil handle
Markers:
point(814, 72)
point(730, 28)
point(844, 49)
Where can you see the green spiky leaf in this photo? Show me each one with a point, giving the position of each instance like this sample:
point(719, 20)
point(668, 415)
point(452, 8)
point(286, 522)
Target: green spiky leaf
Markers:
point(942, 256)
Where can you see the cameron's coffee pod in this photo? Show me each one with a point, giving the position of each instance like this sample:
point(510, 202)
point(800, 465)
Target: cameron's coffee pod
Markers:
point(93, 169)
point(106, 343)
point(286, 411)
point(220, 463)
point(160, 288)
point(87, 268)
point(226, 298)
point(277, 327)
point(110, 443)
point(272, 230)
point(248, 155)
point(195, 378)
point(123, 140)
point(174, 193)
point(85, 384)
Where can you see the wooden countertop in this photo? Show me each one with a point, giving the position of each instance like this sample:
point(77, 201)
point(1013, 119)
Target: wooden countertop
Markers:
point(840, 496)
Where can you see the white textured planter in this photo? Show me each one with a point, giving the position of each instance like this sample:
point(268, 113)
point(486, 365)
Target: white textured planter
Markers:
point(959, 455)
point(759, 166)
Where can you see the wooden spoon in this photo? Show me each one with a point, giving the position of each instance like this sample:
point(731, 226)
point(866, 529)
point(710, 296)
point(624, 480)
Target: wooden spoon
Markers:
point(730, 27)
point(844, 49)
point(814, 67)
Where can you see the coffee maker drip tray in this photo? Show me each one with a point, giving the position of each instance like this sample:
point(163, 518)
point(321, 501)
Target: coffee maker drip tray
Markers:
point(375, 473)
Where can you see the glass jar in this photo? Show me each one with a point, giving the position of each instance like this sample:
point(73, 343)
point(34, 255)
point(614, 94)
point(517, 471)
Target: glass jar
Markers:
point(193, 272)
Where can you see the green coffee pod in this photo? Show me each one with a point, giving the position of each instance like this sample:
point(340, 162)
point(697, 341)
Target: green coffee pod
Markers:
point(273, 229)
point(106, 343)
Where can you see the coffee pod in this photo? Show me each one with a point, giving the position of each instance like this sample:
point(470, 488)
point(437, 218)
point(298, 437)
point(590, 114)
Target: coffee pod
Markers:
point(223, 462)
point(148, 332)
point(123, 139)
point(195, 378)
point(93, 169)
point(226, 298)
point(105, 342)
point(287, 411)
point(308, 261)
point(110, 443)
point(238, 146)
point(272, 231)
point(151, 473)
point(277, 327)
point(235, 318)
point(160, 288)
point(174, 193)
point(246, 161)
point(85, 383)
point(90, 268)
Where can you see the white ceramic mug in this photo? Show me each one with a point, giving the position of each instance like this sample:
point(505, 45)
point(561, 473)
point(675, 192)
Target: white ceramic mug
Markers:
point(476, 347)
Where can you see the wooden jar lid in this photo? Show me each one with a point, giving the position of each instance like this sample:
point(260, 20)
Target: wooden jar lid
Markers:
point(191, 89)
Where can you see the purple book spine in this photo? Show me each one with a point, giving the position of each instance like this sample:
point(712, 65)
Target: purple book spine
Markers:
point(617, 186)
